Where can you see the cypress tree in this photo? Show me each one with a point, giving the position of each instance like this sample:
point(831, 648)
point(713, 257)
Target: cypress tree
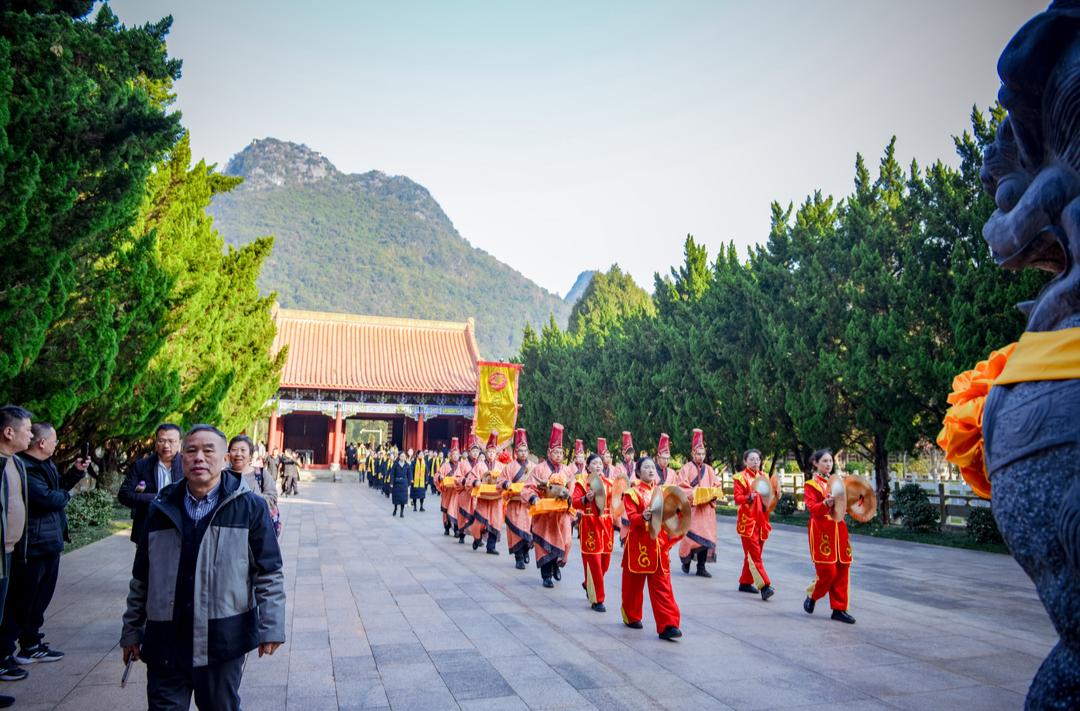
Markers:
point(79, 133)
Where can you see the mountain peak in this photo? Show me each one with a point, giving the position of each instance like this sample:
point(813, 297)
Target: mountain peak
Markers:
point(270, 163)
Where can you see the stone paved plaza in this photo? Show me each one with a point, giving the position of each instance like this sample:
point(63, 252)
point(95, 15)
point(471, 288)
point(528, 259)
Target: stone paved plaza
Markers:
point(388, 613)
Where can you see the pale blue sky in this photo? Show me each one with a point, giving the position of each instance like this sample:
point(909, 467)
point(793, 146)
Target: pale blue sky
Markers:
point(565, 136)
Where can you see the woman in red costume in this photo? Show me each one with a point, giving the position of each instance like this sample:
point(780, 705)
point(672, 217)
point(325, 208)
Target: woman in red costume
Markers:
point(597, 533)
point(752, 526)
point(646, 559)
point(830, 548)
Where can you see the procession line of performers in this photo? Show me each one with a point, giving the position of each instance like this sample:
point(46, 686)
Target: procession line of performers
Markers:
point(541, 503)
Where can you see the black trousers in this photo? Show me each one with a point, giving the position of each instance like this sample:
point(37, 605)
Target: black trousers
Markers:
point(216, 687)
point(31, 588)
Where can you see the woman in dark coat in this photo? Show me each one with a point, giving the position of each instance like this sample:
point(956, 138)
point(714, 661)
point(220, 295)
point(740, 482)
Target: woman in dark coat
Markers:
point(400, 479)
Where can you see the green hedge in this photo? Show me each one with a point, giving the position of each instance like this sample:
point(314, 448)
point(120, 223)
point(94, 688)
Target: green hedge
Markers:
point(93, 507)
point(982, 526)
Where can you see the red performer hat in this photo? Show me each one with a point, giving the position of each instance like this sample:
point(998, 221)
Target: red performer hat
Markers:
point(519, 438)
point(699, 440)
point(556, 436)
point(455, 446)
point(475, 441)
point(627, 441)
point(579, 447)
point(665, 444)
point(493, 439)
point(601, 446)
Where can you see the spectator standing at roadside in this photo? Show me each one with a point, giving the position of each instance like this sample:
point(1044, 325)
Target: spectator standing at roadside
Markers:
point(256, 478)
point(150, 475)
point(36, 563)
point(206, 587)
point(290, 473)
point(15, 435)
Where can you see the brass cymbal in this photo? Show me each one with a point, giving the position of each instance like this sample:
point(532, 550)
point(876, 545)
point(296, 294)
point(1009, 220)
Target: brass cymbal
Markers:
point(619, 487)
point(656, 505)
point(595, 484)
point(839, 493)
point(862, 500)
point(763, 487)
point(676, 512)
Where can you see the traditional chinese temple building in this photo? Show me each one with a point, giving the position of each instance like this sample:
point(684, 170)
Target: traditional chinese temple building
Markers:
point(419, 376)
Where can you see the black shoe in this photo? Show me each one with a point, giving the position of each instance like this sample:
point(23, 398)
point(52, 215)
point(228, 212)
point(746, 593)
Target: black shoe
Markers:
point(6, 701)
point(526, 555)
point(547, 584)
point(39, 653)
point(492, 551)
point(634, 625)
point(414, 507)
point(838, 615)
point(599, 607)
point(686, 568)
point(558, 573)
point(421, 507)
point(520, 564)
point(702, 573)
point(767, 592)
point(402, 514)
point(475, 543)
point(10, 671)
point(394, 513)
point(747, 587)
point(671, 632)
point(446, 530)
point(461, 539)
point(808, 605)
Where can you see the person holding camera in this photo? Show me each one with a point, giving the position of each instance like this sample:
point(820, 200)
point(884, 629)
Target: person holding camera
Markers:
point(150, 475)
point(36, 562)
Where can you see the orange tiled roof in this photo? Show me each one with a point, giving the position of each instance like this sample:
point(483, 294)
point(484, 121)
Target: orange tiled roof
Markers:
point(348, 352)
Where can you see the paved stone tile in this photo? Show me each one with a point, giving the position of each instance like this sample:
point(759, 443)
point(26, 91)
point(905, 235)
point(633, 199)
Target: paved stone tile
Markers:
point(361, 694)
point(900, 679)
point(421, 700)
point(391, 614)
point(983, 698)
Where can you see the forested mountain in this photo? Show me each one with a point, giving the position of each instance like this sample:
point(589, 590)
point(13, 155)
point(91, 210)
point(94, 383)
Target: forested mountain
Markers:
point(578, 288)
point(371, 244)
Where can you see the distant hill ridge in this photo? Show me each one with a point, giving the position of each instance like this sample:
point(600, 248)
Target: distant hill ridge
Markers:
point(373, 244)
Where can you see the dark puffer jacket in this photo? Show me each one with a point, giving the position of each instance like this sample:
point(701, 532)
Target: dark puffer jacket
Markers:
point(47, 499)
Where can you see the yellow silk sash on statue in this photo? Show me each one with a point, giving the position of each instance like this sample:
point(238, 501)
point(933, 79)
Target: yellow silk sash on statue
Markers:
point(1039, 355)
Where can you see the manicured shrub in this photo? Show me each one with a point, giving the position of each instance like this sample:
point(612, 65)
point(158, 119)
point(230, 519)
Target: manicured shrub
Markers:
point(913, 503)
point(982, 526)
point(786, 506)
point(92, 507)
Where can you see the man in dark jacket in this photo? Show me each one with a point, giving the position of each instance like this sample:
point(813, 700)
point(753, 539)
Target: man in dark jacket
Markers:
point(36, 562)
point(149, 475)
point(206, 587)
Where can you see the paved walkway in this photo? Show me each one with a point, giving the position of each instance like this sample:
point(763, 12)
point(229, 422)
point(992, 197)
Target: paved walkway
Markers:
point(389, 613)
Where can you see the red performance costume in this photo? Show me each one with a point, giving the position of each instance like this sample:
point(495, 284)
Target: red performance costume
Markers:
point(700, 542)
point(665, 474)
point(645, 559)
point(488, 510)
point(753, 526)
point(830, 548)
point(466, 504)
point(626, 469)
point(597, 539)
point(512, 481)
point(550, 530)
point(447, 494)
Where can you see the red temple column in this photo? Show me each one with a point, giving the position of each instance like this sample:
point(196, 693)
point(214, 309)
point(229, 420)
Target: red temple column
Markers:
point(420, 444)
point(339, 436)
point(274, 436)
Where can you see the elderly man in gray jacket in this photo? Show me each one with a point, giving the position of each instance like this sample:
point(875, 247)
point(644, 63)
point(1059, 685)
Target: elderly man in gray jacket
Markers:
point(206, 586)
